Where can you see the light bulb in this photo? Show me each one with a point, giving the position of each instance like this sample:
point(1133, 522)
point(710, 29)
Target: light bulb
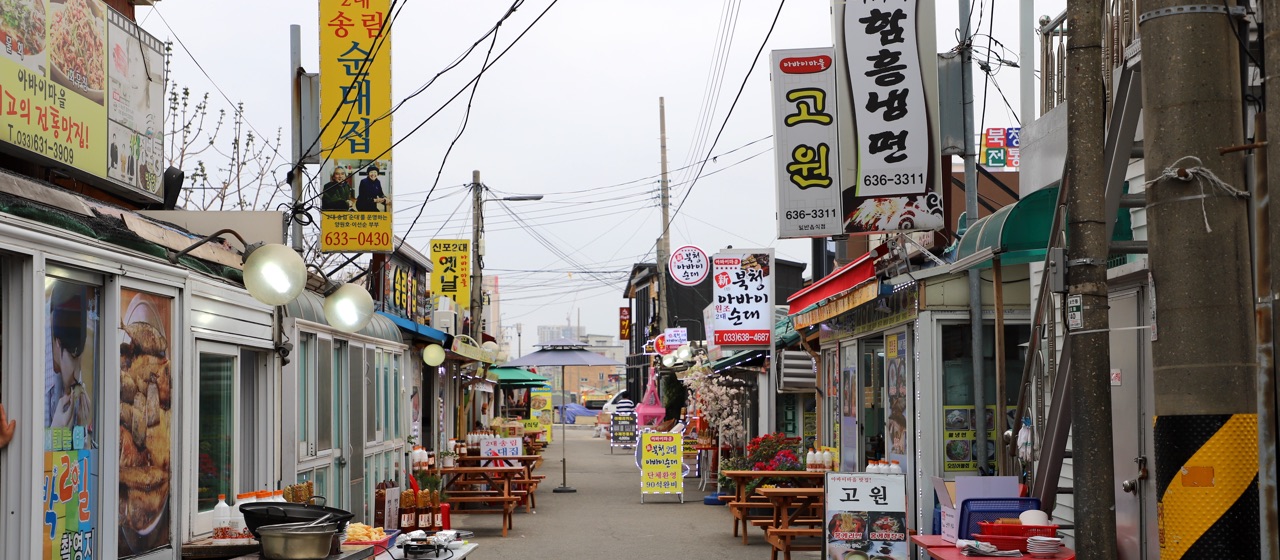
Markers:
point(349, 308)
point(490, 346)
point(684, 353)
point(433, 355)
point(669, 360)
point(275, 274)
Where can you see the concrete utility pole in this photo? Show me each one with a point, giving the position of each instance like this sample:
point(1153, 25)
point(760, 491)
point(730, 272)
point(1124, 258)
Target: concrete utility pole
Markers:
point(477, 256)
point(295, 74)
point(1087, 249)
point(664, 242)
point(975, 276)
point(1268, 428)
point(1204, 357)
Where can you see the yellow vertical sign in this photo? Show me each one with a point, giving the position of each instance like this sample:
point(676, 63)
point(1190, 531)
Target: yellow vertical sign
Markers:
point(451, 270)
point(355, 90)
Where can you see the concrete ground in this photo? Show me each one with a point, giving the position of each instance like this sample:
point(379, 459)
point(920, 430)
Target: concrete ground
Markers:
point(605, 519)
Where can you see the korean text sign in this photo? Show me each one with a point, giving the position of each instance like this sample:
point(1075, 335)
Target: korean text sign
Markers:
point(624, 323)
point(887, 115)
point(500, 447)
point(864, 508)
point(689, 265)
point(805, 133)
point(661, 461)
point(355, 88)
point(622, 429)
point(451, 277)
point(743, 298)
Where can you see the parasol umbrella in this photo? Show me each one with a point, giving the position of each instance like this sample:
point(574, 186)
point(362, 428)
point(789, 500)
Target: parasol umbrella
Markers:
point(562, 352)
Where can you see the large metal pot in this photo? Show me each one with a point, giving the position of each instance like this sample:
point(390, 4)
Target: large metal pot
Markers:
point(257, 514)
point(297, 541)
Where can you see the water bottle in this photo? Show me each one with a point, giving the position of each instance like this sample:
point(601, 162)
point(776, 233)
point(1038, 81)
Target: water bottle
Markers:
point(222, 522)
point(810, 461)
point(828, 461)
point(895, 467)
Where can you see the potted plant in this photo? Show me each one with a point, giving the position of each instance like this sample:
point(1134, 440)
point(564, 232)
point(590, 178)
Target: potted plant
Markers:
point(447, 458)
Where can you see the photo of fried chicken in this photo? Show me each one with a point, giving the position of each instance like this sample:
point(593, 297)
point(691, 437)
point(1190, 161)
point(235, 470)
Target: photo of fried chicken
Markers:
point(146, 385)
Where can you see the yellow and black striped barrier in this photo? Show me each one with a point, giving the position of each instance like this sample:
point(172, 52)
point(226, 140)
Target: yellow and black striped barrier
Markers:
point(1207, 486)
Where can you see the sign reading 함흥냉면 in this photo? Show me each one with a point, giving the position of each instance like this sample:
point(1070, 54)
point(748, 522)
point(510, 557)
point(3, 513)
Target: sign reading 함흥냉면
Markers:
point(805, 135)
point(743, 298)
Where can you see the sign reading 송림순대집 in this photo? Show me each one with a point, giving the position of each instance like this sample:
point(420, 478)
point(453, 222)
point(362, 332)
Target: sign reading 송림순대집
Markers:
point(355, 87)
point(866, 509)
point(688, 265)
point(805, 135)
point(622, 429)
point(451, 274)
point(661, 463)
point(743, 297)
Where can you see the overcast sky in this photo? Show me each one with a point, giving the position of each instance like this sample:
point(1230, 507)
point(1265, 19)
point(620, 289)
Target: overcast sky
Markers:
point(570, 112)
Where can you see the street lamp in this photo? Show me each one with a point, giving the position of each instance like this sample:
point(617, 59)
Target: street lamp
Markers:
point(273, 273)
point(477, 249)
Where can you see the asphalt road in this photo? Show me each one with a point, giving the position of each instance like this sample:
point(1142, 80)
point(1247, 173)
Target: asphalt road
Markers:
point(605, 519)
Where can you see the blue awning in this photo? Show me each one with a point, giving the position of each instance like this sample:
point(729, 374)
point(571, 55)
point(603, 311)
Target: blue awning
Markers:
point(417, 328)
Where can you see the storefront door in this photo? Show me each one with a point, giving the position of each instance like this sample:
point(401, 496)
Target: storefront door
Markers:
point(218, 431)
point(871, 399)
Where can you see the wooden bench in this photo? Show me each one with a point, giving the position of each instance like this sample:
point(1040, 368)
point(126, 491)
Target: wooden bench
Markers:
point(810, 521)
point(784, 540)
point(456, 499)
point(530, 487)
point(741, 514)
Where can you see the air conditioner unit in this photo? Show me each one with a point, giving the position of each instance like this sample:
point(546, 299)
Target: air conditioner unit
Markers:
point(796, 371)
point(446, 321)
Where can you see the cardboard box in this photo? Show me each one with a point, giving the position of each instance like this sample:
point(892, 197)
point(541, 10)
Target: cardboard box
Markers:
point(952, 493)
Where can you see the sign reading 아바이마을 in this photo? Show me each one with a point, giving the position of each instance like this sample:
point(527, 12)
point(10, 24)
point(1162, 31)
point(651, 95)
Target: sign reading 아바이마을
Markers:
point(689, 265)
point(866, 508)
point(661, 463)
point(805, 135)
point(743, 298)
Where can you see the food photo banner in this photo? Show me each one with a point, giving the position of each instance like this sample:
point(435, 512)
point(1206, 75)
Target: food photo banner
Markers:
point(82, 86)
point(866, 513)
point(355, 89)
point(887, 111)
point(804, 139)
point(146, 391)
point(743, 298)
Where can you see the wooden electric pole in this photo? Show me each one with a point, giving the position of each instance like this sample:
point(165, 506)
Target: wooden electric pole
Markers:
point(664, 242)
point(1205, 429)
point(1087, 249)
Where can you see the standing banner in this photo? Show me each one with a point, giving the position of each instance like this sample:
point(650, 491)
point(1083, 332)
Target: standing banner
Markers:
point(866, 512)
point(887, 108)
point(451, 274)
point(622, 430)
point(661, 461)
point(72, 485)
point(540, 409)
point(804, 143)
point(146, 387)
point(743, 297)
point(355, 89)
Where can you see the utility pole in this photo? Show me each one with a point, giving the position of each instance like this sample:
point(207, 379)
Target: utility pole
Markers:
point(975, 278)
point(664, 242)
point(477, 256)
point(295, 70)
point(1087, 250)
point(1205, 429)
point(1268, 397)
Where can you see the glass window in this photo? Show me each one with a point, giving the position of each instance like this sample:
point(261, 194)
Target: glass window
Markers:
point(306, 370)
point(370, 410)
point(397, 418)
point(216, 416)
point(324, 396)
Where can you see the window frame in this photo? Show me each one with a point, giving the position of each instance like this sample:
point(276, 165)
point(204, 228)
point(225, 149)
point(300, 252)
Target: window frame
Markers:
point(202, 522)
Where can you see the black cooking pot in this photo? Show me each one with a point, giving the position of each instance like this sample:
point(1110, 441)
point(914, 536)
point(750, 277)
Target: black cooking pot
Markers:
point(257, 514)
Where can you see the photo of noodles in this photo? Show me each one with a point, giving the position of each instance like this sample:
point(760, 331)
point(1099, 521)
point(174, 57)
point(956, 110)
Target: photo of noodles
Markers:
point(77, 55)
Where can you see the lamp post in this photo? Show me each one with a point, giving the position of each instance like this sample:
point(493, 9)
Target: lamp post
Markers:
point(477, 251)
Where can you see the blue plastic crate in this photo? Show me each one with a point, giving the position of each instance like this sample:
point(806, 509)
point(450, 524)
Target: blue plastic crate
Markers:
point(990, 509)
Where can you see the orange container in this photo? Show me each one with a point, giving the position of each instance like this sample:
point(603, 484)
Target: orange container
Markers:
point(1016, 530)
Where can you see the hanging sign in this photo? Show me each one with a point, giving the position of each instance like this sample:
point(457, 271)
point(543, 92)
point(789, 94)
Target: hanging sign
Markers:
point(662, 346)
point(743, 298)
point(864, 512)
point(451, 277)
point(804, 138)
point(689, 265)
point(624, 323)
point(676, 337)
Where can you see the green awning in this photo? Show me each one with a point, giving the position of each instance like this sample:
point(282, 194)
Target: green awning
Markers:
point(1018, 233)
point(517, 376)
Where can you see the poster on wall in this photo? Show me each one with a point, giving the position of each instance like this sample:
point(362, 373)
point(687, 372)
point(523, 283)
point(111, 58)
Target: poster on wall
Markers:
point(866, 514)
point(887, 93)
point(743, 297)
point(661, 460)
point(71, 384)
point(355, 82)
point(960, 436)
point(146, 384)
point(135, 109)
point(451, 270)
point(804, 143)
point(895, 387)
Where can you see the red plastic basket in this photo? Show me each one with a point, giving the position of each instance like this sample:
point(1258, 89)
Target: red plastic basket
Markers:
point(1016, 530)
point(1004, 542)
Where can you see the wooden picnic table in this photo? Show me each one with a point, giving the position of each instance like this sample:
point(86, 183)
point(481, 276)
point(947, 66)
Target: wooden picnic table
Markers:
point(789, 505)
point(528, 483)
point(939, 549)
point(742, 502)
point(457, 483)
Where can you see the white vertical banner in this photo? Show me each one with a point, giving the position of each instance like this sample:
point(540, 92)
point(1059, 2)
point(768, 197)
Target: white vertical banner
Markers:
point(743, 297)
point(887, 94)
point(804, 140)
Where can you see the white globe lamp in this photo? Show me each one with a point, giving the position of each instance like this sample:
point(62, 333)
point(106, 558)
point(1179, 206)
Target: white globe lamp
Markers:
point(274, 274)
point(433, 355)
point(348, 308)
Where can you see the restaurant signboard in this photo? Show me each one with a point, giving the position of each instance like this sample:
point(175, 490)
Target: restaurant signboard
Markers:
point(804, 138)
point(866, 511)
point(743, 298)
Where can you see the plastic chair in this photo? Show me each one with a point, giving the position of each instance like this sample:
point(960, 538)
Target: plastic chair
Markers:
point(989, 510)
